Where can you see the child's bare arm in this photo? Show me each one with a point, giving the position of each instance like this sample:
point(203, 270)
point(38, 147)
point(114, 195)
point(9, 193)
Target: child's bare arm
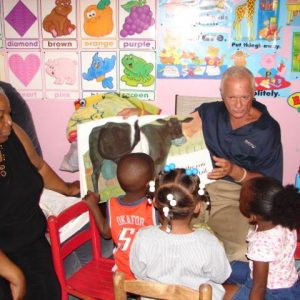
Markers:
point(14, 275)
point(92, 200)
point(260, 279)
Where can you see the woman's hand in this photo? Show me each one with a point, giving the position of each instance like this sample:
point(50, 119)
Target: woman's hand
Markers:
point(18, 286)
point(73, 188)
point(14, 275)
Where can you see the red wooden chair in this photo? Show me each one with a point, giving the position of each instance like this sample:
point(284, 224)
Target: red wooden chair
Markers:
point(95, 279)
point(297, 252)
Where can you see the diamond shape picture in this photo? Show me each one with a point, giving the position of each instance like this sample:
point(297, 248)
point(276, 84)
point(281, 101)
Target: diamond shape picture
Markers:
point(20, 18)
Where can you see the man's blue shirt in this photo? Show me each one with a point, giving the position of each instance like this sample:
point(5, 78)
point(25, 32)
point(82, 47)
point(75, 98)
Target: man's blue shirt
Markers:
point(255, 146)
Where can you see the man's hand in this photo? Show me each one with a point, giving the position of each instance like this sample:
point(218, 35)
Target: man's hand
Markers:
point(223, 168)
point(190, 128)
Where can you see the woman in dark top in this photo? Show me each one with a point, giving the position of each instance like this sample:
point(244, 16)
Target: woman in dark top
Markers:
point(23, 174)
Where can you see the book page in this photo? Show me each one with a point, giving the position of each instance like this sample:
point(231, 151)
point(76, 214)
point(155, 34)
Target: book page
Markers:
point(53, 203)
point(101, 143)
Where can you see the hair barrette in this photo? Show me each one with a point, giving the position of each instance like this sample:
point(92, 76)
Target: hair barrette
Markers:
point(170, 198)
point(192, 171)
point(201, 190)
point(166, 210)
point(152, 186)
point(169, 167)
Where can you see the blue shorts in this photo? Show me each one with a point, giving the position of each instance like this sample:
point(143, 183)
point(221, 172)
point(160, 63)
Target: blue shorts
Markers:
point(241, 275)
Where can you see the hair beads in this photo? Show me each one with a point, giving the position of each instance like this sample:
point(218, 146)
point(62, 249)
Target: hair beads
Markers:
point(151, 190)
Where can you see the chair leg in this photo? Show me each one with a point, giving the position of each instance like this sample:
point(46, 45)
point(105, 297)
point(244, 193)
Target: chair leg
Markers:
point(119, 286)
point(64, 295)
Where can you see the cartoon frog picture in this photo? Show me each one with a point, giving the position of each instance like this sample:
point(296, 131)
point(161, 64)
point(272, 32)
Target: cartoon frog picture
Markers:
point(136, 71)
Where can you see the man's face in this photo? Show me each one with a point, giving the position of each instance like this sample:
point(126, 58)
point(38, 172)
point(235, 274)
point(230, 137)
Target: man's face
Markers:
point(237, 94)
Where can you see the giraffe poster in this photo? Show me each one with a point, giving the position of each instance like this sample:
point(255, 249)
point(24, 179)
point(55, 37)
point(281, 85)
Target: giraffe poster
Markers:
point(201, 39)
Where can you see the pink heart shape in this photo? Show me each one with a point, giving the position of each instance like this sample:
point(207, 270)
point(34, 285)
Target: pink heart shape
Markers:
point(24, 69)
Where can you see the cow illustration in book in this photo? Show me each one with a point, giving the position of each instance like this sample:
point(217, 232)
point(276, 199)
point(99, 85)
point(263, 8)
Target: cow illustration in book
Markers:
point(109, 142)
point(161, 135)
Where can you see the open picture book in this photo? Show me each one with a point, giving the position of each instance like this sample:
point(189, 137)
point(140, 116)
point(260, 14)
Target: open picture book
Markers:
point(101, 143)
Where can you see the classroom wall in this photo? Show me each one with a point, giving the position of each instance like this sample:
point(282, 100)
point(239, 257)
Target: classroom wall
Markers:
point(179, 32)
point(51, 118)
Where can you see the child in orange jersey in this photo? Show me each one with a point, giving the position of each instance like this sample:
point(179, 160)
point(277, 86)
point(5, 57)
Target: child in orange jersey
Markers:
point(127, 213)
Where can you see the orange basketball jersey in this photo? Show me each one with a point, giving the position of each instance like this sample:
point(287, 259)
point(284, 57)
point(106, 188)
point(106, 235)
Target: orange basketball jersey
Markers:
point(125, 219)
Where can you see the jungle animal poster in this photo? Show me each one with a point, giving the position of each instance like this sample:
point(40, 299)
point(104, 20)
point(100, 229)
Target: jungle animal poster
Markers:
point(201, 39)
point(64, 49)
point(101, 143)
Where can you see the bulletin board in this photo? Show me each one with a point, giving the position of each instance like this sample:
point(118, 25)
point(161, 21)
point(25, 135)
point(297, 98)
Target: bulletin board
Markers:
point(67, 49)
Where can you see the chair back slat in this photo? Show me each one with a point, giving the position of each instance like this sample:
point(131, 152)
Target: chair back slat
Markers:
point(184, 105)
point(158, 290)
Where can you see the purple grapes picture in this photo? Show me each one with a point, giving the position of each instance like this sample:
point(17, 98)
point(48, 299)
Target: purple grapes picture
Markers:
point(140, 18)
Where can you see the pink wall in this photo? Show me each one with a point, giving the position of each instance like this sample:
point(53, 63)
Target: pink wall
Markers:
point(51, 118)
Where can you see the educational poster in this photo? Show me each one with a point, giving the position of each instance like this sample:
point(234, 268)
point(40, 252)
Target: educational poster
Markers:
point(2, 77)
point(137, 72)
point(58, 20)
point(296, 52)
point(201, 39)
point(99, 72)
point(99, 24)
point(194, 39)
point(64, 49)
point(137, 19)
point(21, 23)
point(24, 71)
point(61, 78)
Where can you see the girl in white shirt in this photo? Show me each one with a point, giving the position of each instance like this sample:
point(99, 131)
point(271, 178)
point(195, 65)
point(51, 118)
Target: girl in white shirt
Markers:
point(174, 252)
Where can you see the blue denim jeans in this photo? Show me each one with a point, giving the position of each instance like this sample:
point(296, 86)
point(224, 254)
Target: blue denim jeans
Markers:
point(240, 272)
point(241, 275)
